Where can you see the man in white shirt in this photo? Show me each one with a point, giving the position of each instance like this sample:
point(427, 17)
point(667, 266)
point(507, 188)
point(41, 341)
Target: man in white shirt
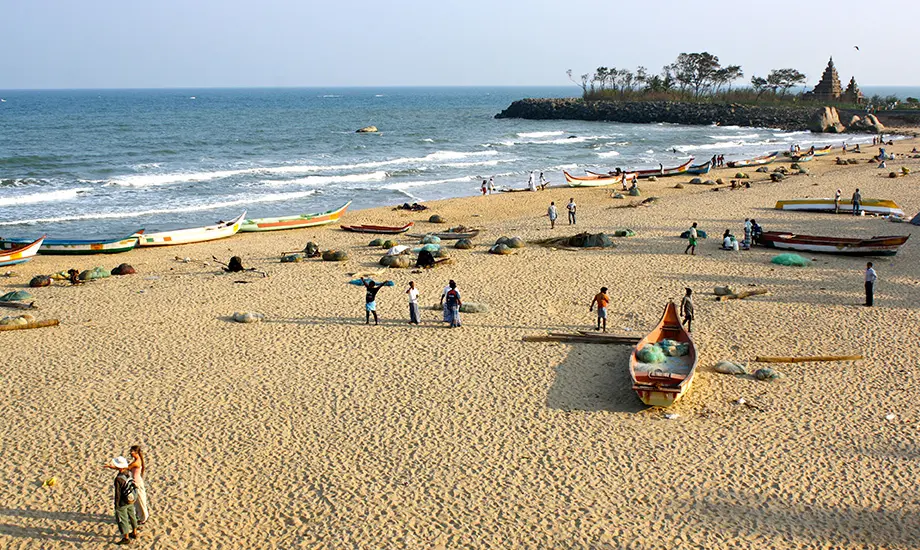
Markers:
point(571, 208)
point(551, 212)
point(491, 185)
point(871, 278)
point(532, 182)
point(413, 304)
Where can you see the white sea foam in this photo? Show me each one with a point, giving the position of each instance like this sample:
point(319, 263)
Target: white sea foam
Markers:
point(734, 137)
point(379, 175)
point(539, 134)
point(147, 180)
point(608, 154)
point(271, 197)
point(403, 185)
point(470, 164)
point(50, 196)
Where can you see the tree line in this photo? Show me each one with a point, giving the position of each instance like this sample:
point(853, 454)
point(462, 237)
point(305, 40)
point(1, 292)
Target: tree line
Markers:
point(692, 76)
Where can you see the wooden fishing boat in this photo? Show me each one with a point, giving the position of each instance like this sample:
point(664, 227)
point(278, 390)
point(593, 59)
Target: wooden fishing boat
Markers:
point(870, 206)
point(293, 222)
point(700, 169)
point(665, 172)
point(876, 246)
point(756, 161)
point(803, 158)
point(387, 229)
point(594, 179)
point(80, 247)
point(451, 235)
point(22, 254)
point(661, 384)
point(823, 151)
point(193, 235)
point(819, 152)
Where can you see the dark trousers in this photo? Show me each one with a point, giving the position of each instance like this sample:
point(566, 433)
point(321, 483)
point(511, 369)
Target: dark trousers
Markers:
point(571, 218)
point(870, 288)
point(413, 313)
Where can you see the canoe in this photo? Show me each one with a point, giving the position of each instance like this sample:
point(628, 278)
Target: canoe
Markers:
point(451, 235)
point(22, 254)
point(700, 169)
point(756, 161)
point(802, 158)
point(657, 172)
point(820, 152)
point(192, 235)
point(378, 228)
point(594, 179)
point(870, 206)
point(293, 222)
point(80, 247)
point(661, 384)
point(876, 246)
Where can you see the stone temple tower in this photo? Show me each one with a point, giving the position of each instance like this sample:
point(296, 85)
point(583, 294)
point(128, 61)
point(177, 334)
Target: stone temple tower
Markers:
point(829, 88)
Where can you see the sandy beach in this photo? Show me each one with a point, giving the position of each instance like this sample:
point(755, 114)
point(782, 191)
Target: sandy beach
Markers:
point(313, 430)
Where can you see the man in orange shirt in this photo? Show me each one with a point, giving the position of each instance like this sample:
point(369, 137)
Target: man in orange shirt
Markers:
point(602, 300)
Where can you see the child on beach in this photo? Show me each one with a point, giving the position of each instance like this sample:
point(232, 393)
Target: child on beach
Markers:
point(551, 212)
point(370, 300)
point(485, 187)
point(692, 238)
point(686, 309)
point(602, 301)
point(837, 202)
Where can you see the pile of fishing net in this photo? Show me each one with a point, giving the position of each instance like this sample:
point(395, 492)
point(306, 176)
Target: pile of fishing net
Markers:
point(581, 240)
point(700, 234)
point(16, 296)
point(790, 260)
point(660, 351)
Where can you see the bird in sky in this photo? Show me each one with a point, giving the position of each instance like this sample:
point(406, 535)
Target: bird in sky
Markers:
point(857, 48)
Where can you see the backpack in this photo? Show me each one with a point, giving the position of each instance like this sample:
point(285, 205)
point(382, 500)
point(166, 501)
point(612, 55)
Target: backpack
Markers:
point(452, 298)
point(129, 490)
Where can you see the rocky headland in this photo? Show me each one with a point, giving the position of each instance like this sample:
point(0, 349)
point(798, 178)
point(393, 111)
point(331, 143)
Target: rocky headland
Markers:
point(786, 117)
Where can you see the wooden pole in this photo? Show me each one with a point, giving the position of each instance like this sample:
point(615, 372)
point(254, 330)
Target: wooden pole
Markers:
point(36, 324)
point(771, 359)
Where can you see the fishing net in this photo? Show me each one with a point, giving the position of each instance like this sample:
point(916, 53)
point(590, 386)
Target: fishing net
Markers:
point(650, 354)
point(431, 239)
point(790, 260)
point(728, 367)
point(16, 296)
point(624, 233)
point(700, 234)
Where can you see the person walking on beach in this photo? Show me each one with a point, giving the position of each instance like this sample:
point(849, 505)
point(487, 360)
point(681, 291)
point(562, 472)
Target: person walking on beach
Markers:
point(414, 318)
point(452, 302)
point(571, 207)
point(491, 184)
point(370, 300)
point(551, 212)
point(837, 202)
point(871, 278)
point(444, 309)
point(691, 247)
point(543, 182)
point(532, 182)
point(138, 468)
point(602, 301)
point(125, 498)
point(686, 309)
point(485, 187)
point(857, 200)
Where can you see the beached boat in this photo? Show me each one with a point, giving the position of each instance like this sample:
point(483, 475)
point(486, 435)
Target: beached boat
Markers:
point(803, 158)
point(451, 235)
point(79, 247)
point(820, 152)
point(661, 384)
point(22, 254)
point(870, 206)
point(700, 169)
point(659, 173)
point(387, 229)
point(193, 235)
point(876, 246)
point(756, 161)
point(593, 179)
point(293, 222)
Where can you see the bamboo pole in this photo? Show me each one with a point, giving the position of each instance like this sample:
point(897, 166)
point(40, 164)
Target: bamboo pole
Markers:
point(771, 359)
point(36, 324)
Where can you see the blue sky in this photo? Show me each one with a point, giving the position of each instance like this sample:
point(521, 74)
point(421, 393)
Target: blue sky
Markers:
point(229, 43)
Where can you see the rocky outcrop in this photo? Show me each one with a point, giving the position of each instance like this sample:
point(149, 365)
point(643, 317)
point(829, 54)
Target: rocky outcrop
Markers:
point(644, 112)
point(868, 124)
point(827, 119)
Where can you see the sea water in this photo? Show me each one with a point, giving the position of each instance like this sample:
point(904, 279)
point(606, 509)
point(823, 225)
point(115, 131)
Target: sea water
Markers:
point(89, 163)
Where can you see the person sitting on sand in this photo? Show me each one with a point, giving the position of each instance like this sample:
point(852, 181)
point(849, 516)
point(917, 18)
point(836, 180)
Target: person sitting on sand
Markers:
point(857, 149)
point(602, 301)
point(727, 240)
point(370, 300)
point(914, 150)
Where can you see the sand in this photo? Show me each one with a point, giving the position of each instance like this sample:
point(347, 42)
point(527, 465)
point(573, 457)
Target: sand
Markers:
point(312, 430)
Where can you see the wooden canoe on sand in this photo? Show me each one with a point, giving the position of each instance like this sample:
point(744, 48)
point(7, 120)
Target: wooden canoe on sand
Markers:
point(661, 384)
point(385, 229)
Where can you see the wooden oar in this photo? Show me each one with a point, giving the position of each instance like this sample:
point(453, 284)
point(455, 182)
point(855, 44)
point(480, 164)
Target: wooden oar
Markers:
point(35, 324)
point(19, 305)
point(771, 359)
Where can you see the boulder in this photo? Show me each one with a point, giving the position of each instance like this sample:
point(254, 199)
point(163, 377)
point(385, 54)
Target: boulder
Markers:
point(500, 249)
point(366, 130)
point(435, 219)
point(124, 269)
point(463, 244)
point(827, 120)
point(39, 281)
point(868, 124)
point(399, 261)
point(335, 256)
point(720, 181)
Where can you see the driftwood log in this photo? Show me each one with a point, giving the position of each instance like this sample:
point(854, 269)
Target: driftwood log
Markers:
point(36, 324)
point(743, 295)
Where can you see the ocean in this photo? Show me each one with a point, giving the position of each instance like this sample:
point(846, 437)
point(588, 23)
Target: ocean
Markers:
point(89, 163)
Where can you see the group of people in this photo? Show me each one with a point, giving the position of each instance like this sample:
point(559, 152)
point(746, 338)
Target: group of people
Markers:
point(602, 300)
point(533, 182)
point(717, 161)
point(553, 214)
point(752, 232)
point(856, 201)
point(450, 302)
point(488, 186)
point(130, 495)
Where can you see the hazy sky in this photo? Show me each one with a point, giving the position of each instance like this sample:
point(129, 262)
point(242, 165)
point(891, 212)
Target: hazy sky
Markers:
point(204, 43)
